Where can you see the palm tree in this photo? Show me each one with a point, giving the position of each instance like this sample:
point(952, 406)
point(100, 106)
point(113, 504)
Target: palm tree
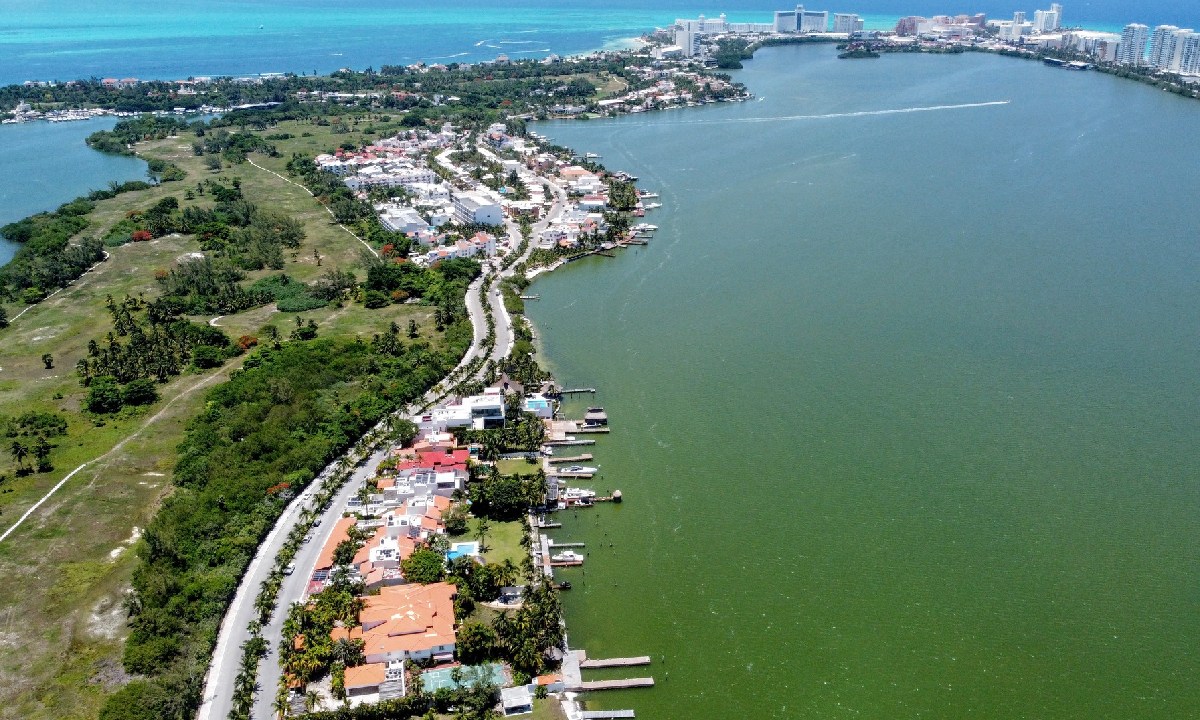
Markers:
point(280, 705)
point(481, 533)
point(312, 699)
point(508, 572)
point(19, 452)
point(348, 652)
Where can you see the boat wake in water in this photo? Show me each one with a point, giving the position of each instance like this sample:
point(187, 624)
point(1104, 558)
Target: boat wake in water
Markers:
point(860, 113)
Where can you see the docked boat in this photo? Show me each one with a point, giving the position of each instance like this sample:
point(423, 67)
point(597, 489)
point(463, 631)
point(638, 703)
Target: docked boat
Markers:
point(577, 495)
point(652, 206)
point(647, 194)
point(580, 469)
point(591, 156)
point(645, 227)
point(567, 556)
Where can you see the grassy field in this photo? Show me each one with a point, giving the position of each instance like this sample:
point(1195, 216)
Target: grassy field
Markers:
point(503, 541)
point(547, 709)
point(517, 467)
point(68, 565)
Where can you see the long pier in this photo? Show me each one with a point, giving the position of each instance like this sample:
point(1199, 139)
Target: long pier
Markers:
point(572, 459)
point(575, 391)
point(569, 442)
point(614, 662)
point(617, 684)
point(605, 714)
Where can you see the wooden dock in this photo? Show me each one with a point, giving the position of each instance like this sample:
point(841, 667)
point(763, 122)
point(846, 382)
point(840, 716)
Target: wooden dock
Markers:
point(574, 459)
point(617, 684)
point(568, 475)
point(605, 714)
point(531, 297)
point(565, 563)
point(576, 391)
point(597, 429)
point(569, 442)
point(573, 545)
point(614, 662)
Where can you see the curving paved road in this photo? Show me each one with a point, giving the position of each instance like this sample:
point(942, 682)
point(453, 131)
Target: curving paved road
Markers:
point(219, 683)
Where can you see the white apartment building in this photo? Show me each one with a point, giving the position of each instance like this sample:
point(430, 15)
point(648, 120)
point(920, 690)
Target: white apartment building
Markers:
point(1045, 21)
point(848, 23)
point(1162, 46)
point(1133, 44)
point(399, 218)
point(785, 21)
point(812, 21)
point(477, 207)
point(1101, 45)
point(685, 40)
point(1188, 52)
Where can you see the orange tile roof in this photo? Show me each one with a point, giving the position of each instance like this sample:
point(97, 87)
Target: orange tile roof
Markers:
point(341, 633)
point(369, 675)
point(408, 618)
point(341, 531)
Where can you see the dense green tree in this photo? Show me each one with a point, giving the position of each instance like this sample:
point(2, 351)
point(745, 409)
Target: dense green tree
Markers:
point(424, 566)
point(104, 395)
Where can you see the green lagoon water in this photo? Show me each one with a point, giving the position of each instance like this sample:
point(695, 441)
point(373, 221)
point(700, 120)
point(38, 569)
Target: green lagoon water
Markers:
point(906, 405)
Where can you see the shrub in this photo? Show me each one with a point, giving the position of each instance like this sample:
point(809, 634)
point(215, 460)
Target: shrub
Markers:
point(104, 395)
point(207, 356)
point(374, 299)
point(139, 392)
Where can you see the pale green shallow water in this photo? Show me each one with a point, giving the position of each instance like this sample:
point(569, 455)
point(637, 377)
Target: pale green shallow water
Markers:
point(906, 405)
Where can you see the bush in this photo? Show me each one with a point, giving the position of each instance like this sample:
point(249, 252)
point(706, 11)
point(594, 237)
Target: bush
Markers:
point(207, 356)
point(32, 295)
point(139, 392)
point(104, 395)
point(374, 299)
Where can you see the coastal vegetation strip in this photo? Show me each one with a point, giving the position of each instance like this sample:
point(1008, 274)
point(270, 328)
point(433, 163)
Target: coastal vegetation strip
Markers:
point(130, 480)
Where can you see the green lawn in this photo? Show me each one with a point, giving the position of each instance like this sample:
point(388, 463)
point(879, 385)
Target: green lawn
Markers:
point(503, 540)
point(547, 709)
point(517, 467)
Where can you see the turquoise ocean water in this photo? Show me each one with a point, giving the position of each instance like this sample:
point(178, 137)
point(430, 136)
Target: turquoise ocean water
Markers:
point(68, 39)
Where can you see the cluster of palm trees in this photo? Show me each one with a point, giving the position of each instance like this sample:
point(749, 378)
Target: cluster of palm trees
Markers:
point(307, 651)
point(246, 683)
point(159, 349)
point(40, 449)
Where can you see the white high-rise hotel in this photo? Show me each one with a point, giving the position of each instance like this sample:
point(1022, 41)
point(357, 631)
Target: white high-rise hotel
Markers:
point(800, 20)
point(1045, 21)
point(1175, 49)
point(1133, 44)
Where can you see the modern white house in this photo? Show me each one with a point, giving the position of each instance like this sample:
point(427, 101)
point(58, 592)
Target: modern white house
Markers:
point(516, 700)
point(476, 411)
point(398, 218)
